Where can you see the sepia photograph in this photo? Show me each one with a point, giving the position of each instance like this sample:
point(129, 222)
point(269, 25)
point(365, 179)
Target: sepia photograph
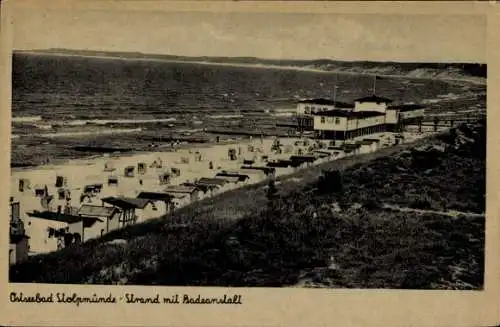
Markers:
point(230, 149)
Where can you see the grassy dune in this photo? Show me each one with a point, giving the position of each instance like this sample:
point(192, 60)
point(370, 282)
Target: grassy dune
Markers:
point(311, 233)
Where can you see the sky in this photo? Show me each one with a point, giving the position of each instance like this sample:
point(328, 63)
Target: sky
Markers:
point(424, 38)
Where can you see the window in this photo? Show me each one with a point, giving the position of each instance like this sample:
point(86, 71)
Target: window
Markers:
point(322, 120)
point(337, 120)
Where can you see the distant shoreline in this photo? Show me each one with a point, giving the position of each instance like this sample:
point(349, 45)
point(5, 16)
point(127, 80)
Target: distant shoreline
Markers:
point(471, 80)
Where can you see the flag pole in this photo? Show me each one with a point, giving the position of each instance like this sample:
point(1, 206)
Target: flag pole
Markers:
point(374, 83)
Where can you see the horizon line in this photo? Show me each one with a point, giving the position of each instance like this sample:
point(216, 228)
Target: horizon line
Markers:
point(253, 57)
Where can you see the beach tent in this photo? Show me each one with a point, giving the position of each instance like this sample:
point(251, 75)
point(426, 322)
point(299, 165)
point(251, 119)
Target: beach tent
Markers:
point(129, 171)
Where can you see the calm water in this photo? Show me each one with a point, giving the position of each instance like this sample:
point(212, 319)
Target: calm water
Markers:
point(85, 88)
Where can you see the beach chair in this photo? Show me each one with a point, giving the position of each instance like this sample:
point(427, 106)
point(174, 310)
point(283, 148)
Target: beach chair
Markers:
point(129, 171)
point(112, 181)
point(176, 172)
point(164, 178)
point(231, 154)
point(61, 181)
point(108, 167)
point(141, 168)
point(24, 184)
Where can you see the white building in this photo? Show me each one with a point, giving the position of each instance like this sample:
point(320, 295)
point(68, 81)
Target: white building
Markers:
point(369, 115)
point(344, 125)
point(307, 108)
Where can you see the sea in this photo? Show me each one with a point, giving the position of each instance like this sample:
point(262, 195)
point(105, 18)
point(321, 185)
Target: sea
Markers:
point(52, 91)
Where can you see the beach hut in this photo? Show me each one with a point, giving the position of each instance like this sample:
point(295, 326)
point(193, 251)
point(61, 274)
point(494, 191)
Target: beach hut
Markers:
point(254, 175)
point(161, 202)
point(52, 231)
point(211, 186)
point(269, 171)
point(109, 219)
point(131, 209)
point(231, 180)
point(141, 168)
point(24, 184)
point(225, 173)
point(129, 171)
point(183, 194)
point(303, 160)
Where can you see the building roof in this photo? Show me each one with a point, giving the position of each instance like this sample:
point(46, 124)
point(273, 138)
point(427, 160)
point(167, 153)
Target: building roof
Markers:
point(263, 168)
point(406, 107)
point(96, 211)
point(54, 216)
point(374, 98)
point(180, 189)
point(303, 158)
point(327, 102)
point(230, 179)
point(126, 203)
point(348, 114)
point(231, 174)
point(212, 181)
point(154, 196)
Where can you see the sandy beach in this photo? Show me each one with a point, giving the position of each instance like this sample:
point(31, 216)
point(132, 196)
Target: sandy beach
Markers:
point(192, 163)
